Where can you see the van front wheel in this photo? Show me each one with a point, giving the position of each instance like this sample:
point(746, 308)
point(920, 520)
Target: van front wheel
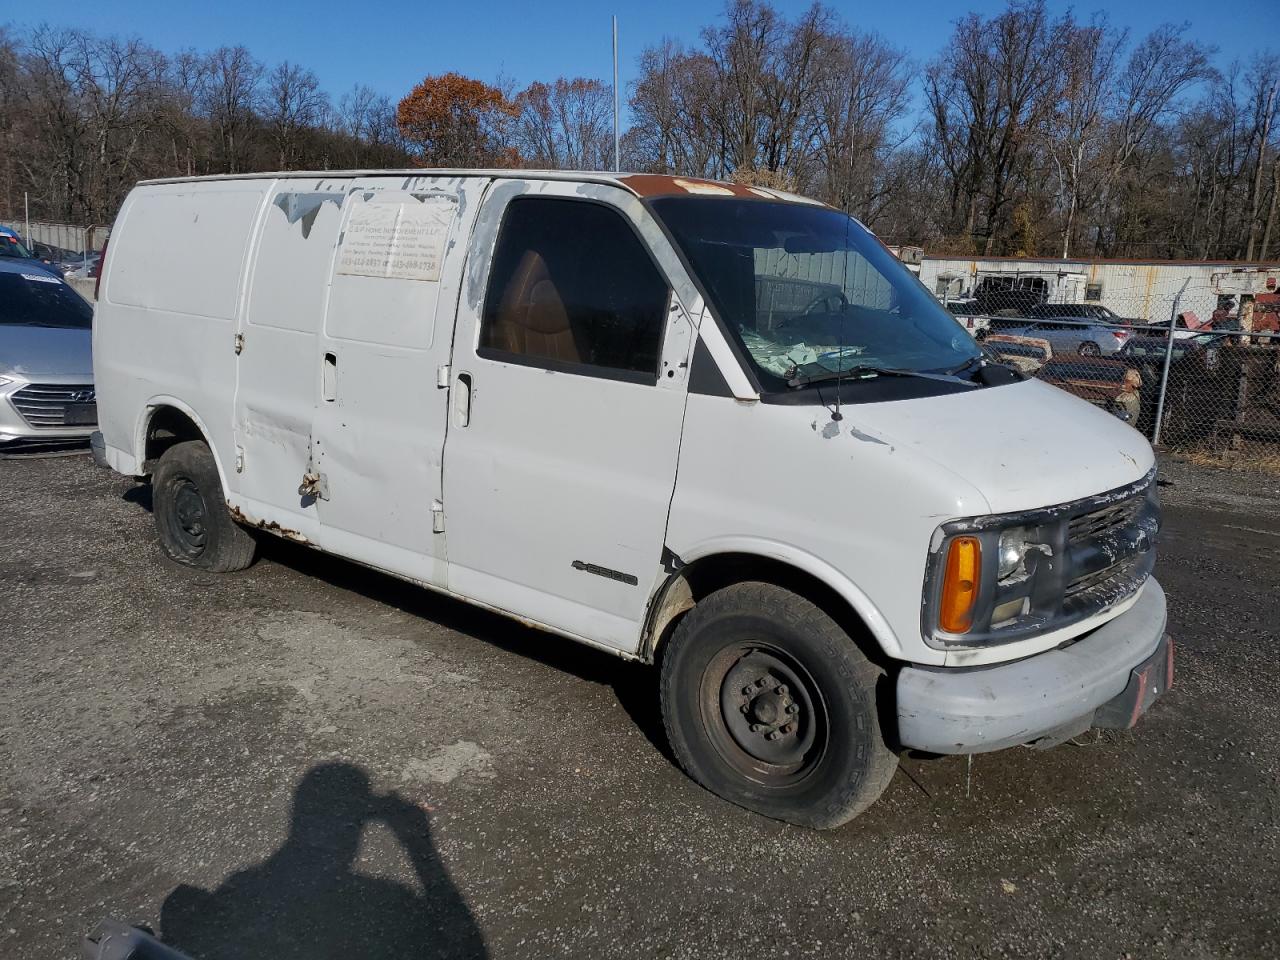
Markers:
point(769, 704)
point(191, 514)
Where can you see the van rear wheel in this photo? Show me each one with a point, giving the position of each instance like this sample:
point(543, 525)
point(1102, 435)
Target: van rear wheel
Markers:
point(769, 704)
point(191, 514)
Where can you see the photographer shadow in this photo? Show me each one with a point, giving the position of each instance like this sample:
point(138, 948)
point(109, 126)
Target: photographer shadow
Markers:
point(305, 900)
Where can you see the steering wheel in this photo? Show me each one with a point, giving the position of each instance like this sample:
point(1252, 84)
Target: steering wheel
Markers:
point(822, 304)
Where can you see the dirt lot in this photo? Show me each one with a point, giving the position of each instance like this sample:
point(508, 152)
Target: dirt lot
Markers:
point(465, 786)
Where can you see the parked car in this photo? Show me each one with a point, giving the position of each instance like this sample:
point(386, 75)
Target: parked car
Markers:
point(1075, 311)
point(46, 368)
point(1100, 380)
point(83, 268)
point(1145, 349)
point(12, 248)
point(1072, 336)
point(1010, 294)
point(838, 532)
point(1027, 354)
point(55, 257)
point(1199, 390)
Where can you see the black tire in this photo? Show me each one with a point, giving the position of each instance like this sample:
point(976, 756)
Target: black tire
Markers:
point(808, 683)
point(1089, 349)
point(191, 514)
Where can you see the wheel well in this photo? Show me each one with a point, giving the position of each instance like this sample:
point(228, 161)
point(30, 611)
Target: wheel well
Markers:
point(708, 574)
point(167, 426)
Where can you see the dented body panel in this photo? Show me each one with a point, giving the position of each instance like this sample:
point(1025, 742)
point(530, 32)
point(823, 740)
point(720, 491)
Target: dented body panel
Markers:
point(323, 333)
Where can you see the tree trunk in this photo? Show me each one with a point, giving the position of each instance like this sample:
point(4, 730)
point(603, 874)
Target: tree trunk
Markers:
point(1256, 199)
point(1271, 212)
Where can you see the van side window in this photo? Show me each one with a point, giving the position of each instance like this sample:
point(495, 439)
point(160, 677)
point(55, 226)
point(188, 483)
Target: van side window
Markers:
point(572, 287)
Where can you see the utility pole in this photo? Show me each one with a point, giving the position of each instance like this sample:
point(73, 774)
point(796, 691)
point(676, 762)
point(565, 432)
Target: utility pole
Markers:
point(26, 212)
point(617, 162)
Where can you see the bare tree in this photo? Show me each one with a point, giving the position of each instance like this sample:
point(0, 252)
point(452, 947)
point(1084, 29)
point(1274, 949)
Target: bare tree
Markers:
point(861, 96)
point(989, 95)
point(1075, 128)
point(230, 93)
point(567, 124)
point(293, 103)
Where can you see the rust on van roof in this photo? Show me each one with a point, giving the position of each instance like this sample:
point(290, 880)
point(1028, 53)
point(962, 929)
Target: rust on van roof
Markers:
point(641, 184)
point(669, 185)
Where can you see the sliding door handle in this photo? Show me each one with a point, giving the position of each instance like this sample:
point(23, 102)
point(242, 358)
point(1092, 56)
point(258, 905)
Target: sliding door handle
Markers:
point(462, 400)
point(330, 377)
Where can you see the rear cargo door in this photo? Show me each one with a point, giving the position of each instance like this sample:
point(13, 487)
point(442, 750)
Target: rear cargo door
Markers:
point(375, 469)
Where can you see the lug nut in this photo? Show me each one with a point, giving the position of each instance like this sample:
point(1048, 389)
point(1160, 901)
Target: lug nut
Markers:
point(762, 682)
point(757, 728)
point(748, 689)
point(775, 735)
point(792, 708)
point(782, 689)
point(789, 728)
point(746, 708)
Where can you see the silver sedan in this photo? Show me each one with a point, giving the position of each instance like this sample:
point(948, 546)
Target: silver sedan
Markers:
point(1068, 335)
point(46, 361)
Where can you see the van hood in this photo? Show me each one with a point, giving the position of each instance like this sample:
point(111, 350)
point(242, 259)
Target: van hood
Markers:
point(46, 353)
point(1023, 446)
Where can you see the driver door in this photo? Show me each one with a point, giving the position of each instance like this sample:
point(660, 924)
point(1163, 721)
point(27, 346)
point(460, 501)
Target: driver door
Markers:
point(568, 393)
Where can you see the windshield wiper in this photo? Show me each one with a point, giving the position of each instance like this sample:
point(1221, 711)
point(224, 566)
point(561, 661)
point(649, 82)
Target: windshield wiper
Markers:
point(866, 369)
point(965, 366)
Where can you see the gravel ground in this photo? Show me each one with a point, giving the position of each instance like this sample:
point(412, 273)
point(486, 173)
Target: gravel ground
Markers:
point(309, 759)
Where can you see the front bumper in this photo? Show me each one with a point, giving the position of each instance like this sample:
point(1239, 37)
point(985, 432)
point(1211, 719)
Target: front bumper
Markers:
point(16, 429)
point(1107, 678)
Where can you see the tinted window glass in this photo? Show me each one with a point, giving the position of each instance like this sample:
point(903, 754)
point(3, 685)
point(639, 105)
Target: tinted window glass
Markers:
point(571, 283)
point(10, 247)
point(38, 300)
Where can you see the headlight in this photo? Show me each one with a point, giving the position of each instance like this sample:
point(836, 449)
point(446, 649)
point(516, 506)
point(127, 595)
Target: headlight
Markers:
point(1005, 577)
point(1012, 552)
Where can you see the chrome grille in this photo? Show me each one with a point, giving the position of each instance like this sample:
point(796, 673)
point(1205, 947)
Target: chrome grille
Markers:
point(1100, 522)
point(45, 404)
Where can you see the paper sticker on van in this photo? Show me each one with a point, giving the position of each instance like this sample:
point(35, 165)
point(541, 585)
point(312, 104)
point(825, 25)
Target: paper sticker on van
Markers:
point(402, 240)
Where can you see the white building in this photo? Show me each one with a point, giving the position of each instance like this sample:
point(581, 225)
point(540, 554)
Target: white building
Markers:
point(1138, 289)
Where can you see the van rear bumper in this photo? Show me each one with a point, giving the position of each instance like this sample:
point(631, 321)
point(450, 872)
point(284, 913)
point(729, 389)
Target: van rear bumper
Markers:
point(1107, 679)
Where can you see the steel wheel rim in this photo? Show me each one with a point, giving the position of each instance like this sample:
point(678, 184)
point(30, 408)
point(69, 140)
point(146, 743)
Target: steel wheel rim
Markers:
point(765, 713)
point(189, 520)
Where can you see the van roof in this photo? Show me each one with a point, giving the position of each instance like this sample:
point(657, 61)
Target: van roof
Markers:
point(641, 184)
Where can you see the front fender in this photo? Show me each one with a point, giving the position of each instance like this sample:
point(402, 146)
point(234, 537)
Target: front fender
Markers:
point(815, 567)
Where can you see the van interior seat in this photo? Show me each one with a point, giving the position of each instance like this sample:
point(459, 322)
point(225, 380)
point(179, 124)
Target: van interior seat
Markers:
point(531, 318)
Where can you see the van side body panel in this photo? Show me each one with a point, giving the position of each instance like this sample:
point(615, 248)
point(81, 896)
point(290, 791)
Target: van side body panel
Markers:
point(174, 280)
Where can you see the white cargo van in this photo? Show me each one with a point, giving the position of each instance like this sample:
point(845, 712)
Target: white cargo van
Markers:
point(713, 427)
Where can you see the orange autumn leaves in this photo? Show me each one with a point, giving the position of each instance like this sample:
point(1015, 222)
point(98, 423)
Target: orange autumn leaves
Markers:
point(455, 121)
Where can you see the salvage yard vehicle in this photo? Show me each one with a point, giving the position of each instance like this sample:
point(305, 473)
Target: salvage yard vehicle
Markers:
point(602, 404)
point(1027, 354)
point(1109, 384)
point(46, 371)
point(1089, 338)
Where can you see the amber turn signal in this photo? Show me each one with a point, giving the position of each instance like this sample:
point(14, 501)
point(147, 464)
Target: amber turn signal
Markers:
point(960, 585)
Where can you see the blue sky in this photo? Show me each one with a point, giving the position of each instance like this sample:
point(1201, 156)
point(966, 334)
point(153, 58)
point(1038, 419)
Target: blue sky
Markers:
point(391, 44)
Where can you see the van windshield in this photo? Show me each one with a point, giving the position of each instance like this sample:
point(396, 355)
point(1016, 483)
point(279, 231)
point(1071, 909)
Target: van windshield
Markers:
point(808, 291)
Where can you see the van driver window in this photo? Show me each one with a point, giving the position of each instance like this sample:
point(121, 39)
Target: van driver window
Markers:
point(572, 287)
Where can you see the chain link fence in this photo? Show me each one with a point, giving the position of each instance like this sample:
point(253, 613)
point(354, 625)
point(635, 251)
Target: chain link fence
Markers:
point(1193, 361)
